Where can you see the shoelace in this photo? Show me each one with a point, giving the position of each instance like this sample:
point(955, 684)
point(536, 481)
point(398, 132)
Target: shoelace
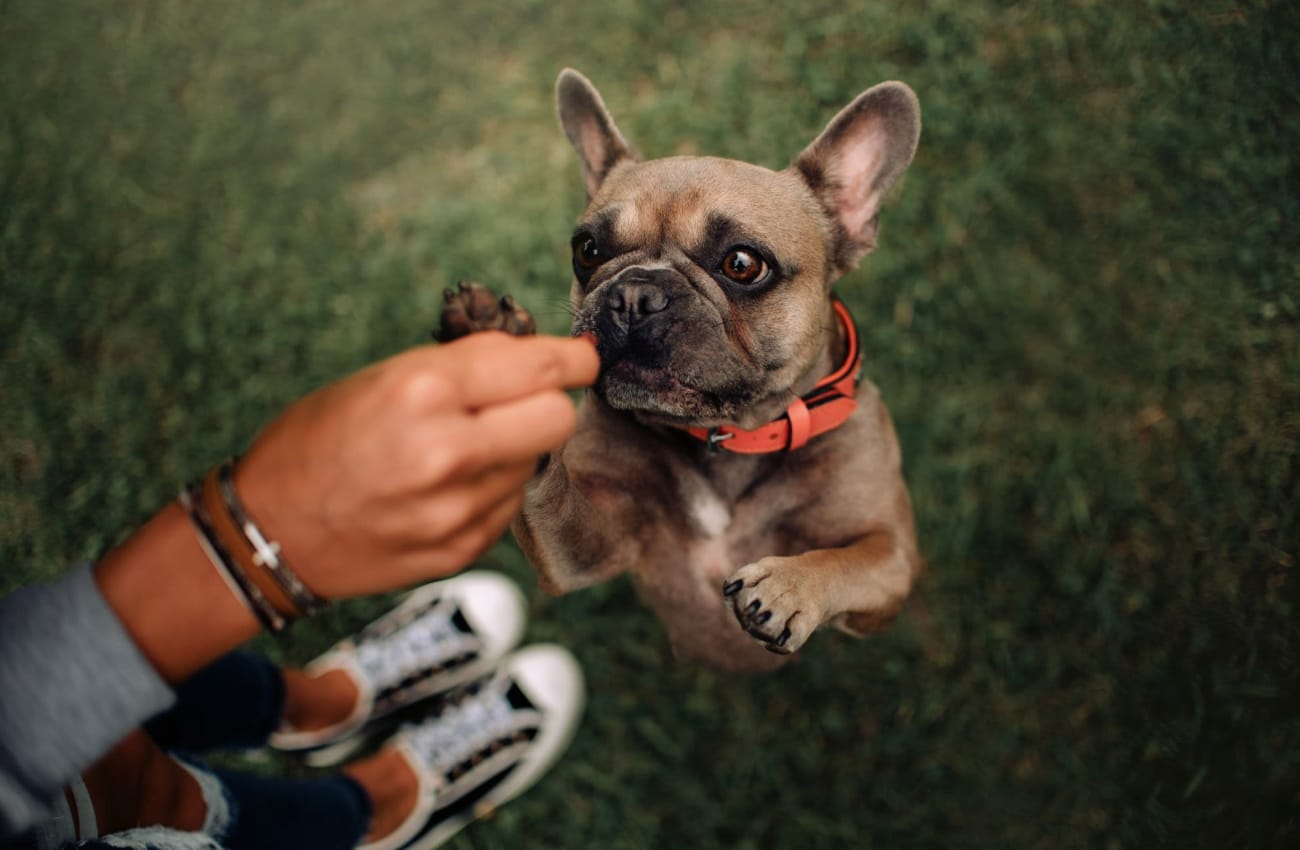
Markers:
point(465, 729)
point(411, 649)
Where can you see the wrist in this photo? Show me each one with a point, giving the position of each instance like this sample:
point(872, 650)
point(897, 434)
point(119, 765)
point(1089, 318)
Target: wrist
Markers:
point(242, 552)
point(269, 494)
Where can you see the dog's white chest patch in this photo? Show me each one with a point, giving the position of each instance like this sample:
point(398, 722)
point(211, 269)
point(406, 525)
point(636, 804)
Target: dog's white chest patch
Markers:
point(710, 515)
point(709, 555)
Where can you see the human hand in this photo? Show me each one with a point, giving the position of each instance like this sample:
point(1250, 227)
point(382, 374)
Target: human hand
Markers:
point(409, 469)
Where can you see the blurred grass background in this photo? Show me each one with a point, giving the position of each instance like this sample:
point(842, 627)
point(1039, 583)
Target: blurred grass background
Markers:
point(1083, 312)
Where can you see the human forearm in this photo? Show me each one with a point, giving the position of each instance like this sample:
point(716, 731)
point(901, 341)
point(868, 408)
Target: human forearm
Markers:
point(171, 599)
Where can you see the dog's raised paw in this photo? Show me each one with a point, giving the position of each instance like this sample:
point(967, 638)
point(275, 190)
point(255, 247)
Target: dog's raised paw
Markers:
point(766, 600)
point(471, 307)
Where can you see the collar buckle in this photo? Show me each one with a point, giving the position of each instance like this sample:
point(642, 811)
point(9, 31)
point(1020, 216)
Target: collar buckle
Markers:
point(716, 437)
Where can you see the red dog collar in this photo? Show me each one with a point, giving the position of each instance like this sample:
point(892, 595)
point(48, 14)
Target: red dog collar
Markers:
point(825, 407)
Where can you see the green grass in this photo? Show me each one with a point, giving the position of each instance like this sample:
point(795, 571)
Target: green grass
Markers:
point(1084, 313)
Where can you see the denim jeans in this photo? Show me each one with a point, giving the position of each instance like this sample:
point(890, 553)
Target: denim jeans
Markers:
point(235, 703)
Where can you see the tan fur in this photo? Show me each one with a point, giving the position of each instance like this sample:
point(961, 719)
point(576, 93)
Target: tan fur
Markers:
point(822, 535)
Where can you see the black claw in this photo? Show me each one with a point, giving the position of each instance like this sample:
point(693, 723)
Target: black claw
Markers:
point(730, 588)
point(753, 607)
point(784, 638)
point(763, 618)
point(507, 302)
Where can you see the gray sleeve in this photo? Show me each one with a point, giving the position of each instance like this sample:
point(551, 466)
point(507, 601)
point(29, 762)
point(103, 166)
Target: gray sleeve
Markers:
point(72, 684)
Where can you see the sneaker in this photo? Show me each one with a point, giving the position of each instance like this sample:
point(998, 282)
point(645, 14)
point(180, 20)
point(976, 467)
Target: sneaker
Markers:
point(442, 635)
point(487, 744)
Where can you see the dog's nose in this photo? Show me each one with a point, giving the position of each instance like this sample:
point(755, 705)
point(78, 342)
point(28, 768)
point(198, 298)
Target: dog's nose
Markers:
point(634, 298)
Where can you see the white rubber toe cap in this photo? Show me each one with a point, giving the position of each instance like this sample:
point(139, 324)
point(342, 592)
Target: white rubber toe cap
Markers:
point(550, 677)
point(493, 606)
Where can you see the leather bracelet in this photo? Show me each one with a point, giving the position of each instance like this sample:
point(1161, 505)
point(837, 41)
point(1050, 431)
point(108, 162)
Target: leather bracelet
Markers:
point(266, 552)
point(241, 552)
point(239, 585)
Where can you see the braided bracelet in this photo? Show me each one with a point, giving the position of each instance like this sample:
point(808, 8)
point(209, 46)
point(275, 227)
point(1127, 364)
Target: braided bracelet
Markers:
point(238, 548)
point(239, 585)
point(266, 552)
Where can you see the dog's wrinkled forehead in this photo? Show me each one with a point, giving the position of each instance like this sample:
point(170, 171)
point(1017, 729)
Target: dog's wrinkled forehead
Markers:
point(689, 201)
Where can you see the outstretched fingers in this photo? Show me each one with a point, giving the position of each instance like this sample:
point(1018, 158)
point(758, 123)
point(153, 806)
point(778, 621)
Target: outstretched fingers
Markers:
point(492, 368)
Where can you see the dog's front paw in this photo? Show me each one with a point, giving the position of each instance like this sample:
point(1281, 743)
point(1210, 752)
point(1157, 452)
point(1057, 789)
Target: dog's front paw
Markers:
point(766, 599)
point(470, 308)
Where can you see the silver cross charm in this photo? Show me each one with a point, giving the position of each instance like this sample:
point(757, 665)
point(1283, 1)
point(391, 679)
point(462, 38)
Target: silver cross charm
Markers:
point(265, 553)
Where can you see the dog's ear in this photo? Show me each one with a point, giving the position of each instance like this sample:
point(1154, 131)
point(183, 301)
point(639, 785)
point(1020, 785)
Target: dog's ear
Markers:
point(857, 158)
point(590, 128)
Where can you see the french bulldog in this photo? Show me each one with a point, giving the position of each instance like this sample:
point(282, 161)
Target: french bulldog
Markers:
point(730, 457)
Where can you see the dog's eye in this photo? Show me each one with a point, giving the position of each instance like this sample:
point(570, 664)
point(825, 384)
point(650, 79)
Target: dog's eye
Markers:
point(586, 253)
point(744, 266)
